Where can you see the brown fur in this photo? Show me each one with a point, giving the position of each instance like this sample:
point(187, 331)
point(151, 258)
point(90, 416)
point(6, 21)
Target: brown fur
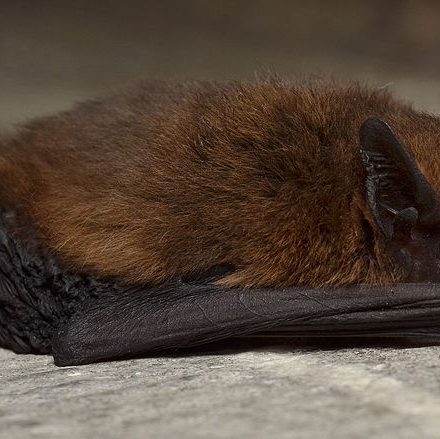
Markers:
point(166, 179)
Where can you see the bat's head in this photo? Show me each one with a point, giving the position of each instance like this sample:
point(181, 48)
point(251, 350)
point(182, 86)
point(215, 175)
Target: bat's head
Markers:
point(405, 206)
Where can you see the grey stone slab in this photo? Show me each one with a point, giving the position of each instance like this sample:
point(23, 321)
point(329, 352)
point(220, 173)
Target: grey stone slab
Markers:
point(281, 392)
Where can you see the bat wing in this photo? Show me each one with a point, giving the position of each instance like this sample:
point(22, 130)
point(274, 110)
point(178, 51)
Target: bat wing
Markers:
point(137, 321)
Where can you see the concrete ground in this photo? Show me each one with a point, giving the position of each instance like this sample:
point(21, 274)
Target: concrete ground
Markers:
point(55, 53)
point(280, 392)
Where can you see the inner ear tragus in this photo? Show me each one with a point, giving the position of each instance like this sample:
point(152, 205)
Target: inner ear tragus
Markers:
point(396, 190)
point(404, 221)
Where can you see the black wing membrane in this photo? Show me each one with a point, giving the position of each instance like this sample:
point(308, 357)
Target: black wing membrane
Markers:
point(142, 321)
point(45, 308)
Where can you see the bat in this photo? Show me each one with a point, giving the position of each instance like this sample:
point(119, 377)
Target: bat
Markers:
point(314, 204)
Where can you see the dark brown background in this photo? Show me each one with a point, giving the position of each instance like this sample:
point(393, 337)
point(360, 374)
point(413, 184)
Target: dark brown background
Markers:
point(53, 53)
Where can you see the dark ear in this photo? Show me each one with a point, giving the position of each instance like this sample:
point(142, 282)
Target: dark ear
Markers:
point(397, 192)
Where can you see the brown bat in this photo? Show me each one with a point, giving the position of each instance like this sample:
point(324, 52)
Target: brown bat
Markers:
point(167, 201)
point(287, 183)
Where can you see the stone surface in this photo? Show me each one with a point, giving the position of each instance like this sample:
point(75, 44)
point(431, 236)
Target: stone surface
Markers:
point(278, 392)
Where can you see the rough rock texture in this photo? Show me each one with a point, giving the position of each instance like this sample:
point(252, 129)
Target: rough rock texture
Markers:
point(279, 392)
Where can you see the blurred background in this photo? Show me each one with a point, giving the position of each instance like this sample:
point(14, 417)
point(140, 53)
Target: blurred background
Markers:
point(53, 53)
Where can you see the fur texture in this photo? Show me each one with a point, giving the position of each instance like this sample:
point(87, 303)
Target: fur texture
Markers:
point(171, 179)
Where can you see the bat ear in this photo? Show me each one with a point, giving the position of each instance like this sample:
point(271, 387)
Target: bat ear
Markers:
point(397, 192)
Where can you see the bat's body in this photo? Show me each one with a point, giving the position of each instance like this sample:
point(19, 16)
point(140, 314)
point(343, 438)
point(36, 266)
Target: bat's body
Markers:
point(272, 184)
point(167, 180)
